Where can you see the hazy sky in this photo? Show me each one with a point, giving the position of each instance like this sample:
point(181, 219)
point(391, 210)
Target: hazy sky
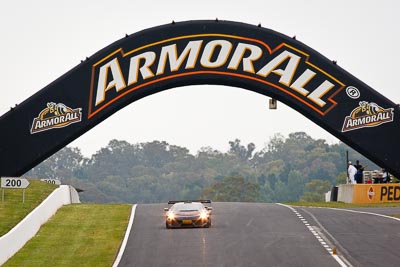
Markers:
point(43, 39)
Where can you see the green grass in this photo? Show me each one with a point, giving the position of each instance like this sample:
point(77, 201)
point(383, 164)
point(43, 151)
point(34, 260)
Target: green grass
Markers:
point(13, 210)
point(78, 235)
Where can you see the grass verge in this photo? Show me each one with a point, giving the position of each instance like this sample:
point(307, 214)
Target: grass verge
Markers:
point(13, 210)
point(78, 235)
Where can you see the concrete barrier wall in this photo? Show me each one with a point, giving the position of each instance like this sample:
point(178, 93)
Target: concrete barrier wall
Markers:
point(345, 193)
point(74, 195)
point(328, 196)
point(16, 238)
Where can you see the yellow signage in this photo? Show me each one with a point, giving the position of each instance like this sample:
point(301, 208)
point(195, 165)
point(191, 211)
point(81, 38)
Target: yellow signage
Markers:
point(376, 193)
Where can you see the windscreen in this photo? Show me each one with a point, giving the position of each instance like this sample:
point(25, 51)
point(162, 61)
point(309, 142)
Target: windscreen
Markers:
point(187, 207)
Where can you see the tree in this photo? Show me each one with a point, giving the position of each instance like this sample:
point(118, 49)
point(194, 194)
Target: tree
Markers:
point(61, 165)
point(156, 171)
point(295, 186)
point(266, 194)
point(116, 159)
point(341, 178)
point(272, 180)
point(315, 191)
point(276, 143)
point(232, 189)
point(281, 193)
point(241, 151)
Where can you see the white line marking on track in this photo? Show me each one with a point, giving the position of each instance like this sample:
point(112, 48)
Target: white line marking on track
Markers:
point(339, 260)
point(369, 213)
point(125, 241)
point(321, 241)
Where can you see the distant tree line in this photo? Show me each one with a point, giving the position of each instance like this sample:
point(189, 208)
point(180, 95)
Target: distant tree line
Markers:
point(296, 168)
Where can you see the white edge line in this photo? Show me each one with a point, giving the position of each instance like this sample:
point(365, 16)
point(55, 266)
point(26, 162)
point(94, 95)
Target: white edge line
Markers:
point(125, 241)
point(336, 257)
point(369, 213)
point(339, 260)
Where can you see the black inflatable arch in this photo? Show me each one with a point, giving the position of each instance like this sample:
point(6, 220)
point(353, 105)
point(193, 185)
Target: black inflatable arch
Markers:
point(200, 52)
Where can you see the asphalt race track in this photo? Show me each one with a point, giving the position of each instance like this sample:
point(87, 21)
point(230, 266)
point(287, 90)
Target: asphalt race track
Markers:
point(362, 238)
point(260, 234)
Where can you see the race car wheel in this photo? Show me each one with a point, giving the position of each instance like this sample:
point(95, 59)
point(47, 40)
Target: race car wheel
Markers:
point(167, 225)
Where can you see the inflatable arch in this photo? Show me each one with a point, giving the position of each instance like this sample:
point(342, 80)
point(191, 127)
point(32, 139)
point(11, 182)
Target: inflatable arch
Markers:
point(200, 52)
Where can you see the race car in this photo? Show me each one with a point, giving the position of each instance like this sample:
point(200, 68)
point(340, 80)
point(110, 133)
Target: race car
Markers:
point(189, 213)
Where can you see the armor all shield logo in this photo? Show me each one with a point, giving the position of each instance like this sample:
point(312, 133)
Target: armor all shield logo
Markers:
point(55, 116)
point(367, 115)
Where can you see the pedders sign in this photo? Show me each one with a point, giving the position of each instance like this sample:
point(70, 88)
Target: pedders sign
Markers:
point(374, 193)
point(284, 67)
point(390, 193)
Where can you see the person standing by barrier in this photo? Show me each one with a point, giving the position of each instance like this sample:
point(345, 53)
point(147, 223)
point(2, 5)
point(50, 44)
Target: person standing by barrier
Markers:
point(379, 179)
point(385, 176)
point(359, 174)
point(351, 172)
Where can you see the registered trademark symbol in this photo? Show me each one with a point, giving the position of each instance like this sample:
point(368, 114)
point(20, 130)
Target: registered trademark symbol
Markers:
point(352, 92)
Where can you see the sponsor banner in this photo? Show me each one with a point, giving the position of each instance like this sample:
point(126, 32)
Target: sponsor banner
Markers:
point(376, 193)
point(193, 53)
point(55, 116)
point(367, 114)
point(285, 68)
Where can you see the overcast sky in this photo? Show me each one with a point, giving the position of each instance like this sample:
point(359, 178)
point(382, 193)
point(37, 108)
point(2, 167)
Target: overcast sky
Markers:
point(43, 39)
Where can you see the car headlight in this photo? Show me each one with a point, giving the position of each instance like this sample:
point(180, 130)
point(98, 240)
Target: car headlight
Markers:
point(203, 215)
point(171, 216)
